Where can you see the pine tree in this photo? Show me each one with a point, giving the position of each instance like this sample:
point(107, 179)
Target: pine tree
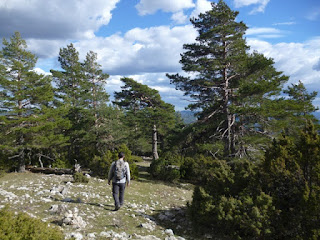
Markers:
point(298, 108)
point(146, 110)
point(72, 93)
point(220, 74)
point(96, 99)
point(28, 121)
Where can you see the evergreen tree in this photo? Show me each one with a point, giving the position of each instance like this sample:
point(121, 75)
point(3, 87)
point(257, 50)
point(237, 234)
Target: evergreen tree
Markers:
point(27, 120)
point(298, 108)
point(72, 93)
point(96, 99)
point(220, 75)
point(146, 110)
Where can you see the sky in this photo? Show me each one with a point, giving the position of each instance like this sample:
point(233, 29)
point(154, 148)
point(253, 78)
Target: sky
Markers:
point(143, 39)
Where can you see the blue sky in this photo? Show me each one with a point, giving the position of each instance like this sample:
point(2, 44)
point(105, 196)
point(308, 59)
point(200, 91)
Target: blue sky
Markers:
point(143, 39)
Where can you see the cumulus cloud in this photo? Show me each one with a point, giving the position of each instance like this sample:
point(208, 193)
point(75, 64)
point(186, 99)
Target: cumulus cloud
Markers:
point(54, 19)
point(179, 17)
point(297, 60)
point(145, 7)
point(260, 8)
point(317, 66)
point(202, 6)
point(155, 49)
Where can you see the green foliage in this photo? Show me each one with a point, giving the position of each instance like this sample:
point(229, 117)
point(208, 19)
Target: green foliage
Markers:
point(28, 119)
point(231, 88)
point(79, 177)
point(229, 202)
point(147, 115)
point(21, 226)
point(277, 198)
point(100, 165)
point(160, 169)
point(166, 167)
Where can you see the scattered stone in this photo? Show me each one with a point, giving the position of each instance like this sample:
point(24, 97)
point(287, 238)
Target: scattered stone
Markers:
point(169, 232)
point(72, 218)
point(8, 195)
point(77, 236)
point(149, 237)
point(57, 209)
point(113, 235)
point(148, 226)
point(91, 236)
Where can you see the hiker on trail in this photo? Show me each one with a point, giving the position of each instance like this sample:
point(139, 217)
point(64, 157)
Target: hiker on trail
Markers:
point(119, 173)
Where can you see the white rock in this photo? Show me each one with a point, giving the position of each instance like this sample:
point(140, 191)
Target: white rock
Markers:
point(91, 235)
point(77, 236)
point(148, 226)
point(169, 232)
point(148, 237)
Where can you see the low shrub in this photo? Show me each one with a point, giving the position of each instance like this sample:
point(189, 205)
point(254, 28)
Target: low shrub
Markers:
point(80, 178)
point(99, 166)
point(21, 226)
point(162, 170)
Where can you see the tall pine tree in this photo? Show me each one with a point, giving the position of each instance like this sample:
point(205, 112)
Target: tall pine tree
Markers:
point(220, 73)
point(28, 123)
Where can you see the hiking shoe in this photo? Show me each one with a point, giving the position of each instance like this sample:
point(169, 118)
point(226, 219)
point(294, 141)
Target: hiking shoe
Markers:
point(117, 208)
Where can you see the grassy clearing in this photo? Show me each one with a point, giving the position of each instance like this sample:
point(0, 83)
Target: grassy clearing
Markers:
point(150, 202)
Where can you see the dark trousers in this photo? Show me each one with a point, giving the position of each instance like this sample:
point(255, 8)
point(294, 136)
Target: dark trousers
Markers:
point(118, 193)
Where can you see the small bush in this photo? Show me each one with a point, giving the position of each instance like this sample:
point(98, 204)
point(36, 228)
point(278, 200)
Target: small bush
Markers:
point(100, 165)
point(21, 226)
point(162, 170)
point(80, 178)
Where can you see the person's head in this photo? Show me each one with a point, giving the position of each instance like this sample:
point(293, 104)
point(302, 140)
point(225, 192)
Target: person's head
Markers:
point(121, 155)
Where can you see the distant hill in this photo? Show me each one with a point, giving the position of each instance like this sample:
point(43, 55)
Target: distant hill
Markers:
point(188, 116)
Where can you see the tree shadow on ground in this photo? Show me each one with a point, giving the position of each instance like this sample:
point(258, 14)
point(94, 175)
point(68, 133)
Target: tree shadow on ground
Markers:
point(107, 207)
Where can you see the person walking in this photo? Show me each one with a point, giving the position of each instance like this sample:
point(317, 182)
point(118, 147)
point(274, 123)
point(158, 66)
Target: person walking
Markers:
point(119, 173)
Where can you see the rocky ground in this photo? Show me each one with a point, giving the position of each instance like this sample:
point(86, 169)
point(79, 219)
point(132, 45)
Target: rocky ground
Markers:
point(153, 209)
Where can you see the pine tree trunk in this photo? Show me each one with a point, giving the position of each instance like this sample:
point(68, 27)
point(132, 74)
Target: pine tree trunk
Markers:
point(154, 143)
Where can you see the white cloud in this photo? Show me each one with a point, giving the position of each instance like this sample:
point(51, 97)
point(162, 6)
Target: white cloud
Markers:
point(202, 6)
point(260, 8)
point(145, 7)
point(265, 32)
point(54, 19)
point(295, 59)
point(155, 49)
point(317, 66)
point(179, 17)
point(285, 23)
point(41, 71)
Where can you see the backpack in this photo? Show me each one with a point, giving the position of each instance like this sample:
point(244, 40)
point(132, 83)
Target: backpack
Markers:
point(119, 170)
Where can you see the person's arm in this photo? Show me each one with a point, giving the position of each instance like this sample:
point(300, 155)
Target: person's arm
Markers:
point(128, 174)
point(110, 175)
